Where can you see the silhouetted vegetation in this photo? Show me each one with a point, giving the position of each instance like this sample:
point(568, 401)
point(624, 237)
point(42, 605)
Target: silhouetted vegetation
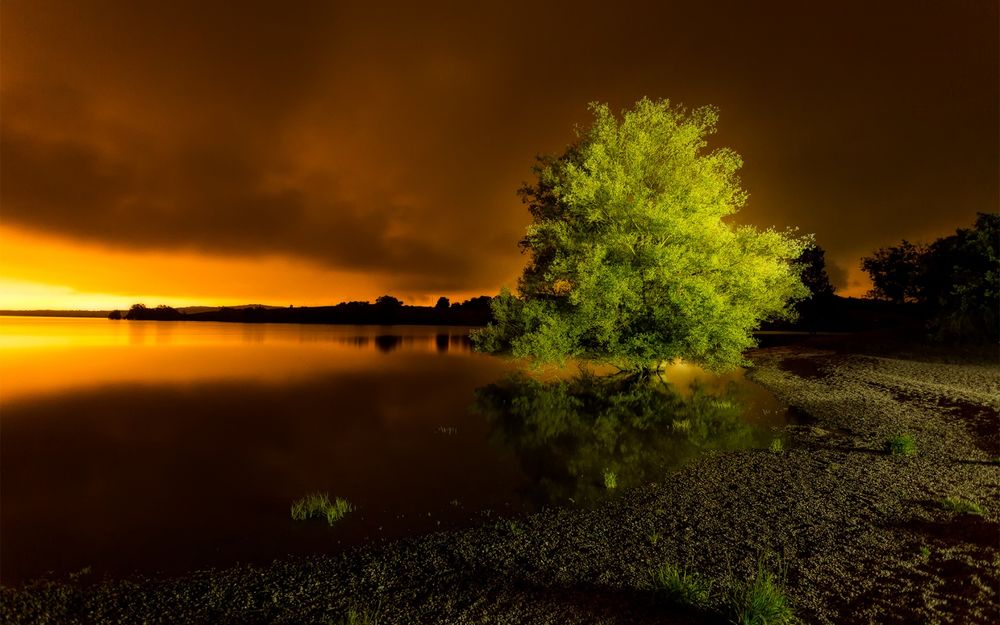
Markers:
point(954, 281)
point(812, 263)
point(821, 309)
point(115, 314)
point(139, 312)
point(631, 261)
point(386, 310)
point(895, 272)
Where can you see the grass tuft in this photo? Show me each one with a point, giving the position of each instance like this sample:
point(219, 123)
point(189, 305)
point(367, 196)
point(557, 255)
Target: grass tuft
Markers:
point(356, 617)
point(777, 446)
point(901, 445)
point(963, 506)
point(760, 601)
point(610, 479)
point(681, 586)
point(319, 505)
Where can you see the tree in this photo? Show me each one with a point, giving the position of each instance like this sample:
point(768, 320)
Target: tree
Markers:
point(812, 263)
point(895, 272)
point(388, 301)
point(631, 261)
point(960, 280)
point(136, 312)
point(955, 279)
point(442, 303)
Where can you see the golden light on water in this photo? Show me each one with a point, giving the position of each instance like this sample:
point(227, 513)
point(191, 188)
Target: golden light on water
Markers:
point(57, 355)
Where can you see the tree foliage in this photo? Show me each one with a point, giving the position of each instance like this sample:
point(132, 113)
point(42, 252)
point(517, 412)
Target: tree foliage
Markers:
point(812, 263)
point(631, 261)
point(895, 272)
point(956, 279)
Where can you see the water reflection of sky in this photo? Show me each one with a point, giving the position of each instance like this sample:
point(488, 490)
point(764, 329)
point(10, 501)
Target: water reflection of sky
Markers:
point(40, 355)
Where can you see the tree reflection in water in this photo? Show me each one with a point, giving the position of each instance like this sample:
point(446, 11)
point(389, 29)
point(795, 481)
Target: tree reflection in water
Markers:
point(570, 433)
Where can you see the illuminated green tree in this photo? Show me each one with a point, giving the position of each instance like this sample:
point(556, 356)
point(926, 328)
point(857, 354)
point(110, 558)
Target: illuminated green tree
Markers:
point(631, 261)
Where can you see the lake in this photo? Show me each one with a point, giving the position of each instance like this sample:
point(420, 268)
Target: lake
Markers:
point(161, 447)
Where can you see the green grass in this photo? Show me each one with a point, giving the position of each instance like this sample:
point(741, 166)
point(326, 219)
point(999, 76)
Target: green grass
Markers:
point(925, 551)
point(963, 506)
point(610, 479)
point(681, 586)
point(760, 601)
point(777, 446)
point(901, 445)
point(319, 505)
point(355, 617)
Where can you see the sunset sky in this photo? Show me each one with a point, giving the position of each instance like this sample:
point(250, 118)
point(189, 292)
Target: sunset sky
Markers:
point(310, 152)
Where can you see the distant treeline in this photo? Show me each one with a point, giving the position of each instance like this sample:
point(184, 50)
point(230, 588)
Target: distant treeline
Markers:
point(386, 310)
point(825, 313)
point(832, 313)
point(953, 282)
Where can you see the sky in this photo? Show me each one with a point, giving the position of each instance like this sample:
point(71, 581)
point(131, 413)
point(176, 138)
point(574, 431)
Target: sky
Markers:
point(308, 153)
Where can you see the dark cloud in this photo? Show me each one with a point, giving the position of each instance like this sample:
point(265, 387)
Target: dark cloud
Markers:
point(392, 138)
point(205, 200)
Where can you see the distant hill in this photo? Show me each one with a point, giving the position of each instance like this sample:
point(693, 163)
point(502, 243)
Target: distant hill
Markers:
point(191, 310)
point(187, 310)
point(55, 313)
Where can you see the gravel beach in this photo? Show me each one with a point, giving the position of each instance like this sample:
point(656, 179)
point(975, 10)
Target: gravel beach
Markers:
point(862, 535)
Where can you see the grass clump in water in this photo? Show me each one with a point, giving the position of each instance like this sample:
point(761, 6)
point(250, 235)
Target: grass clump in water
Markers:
point(963, 506)
point(319, 505)
point(901, 445)
point(760, 600)
point(681, 586)
point(777, 446)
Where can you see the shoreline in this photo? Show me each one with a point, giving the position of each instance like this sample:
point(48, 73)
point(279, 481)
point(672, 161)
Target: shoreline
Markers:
point(862, 533)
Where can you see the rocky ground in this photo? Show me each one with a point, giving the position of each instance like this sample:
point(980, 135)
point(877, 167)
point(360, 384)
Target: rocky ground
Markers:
point(862, 534)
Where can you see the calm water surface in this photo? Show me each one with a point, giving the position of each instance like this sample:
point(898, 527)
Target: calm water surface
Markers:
point(168, 446)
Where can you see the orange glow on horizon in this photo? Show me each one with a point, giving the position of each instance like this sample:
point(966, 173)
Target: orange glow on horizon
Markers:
point(41, 272)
